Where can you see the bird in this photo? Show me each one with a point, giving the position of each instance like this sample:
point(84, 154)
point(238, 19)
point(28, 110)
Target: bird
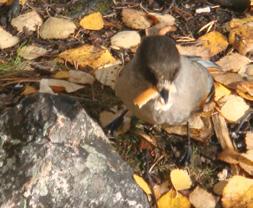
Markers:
point(180, 84)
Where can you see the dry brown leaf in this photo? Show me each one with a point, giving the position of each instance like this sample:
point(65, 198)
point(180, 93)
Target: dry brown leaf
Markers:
point(142, 183)
point(162, 18)
point(229, 156)
point(106, 117)
point(30, 21)
point(47, 86)
point(238, 193)
point(180, 179)
point(241, 33)
point(57, 28)
point(163, 24)
point(234, 62)
point(215, 42)
point(75, 76)
point(196, 132)
point(108, 75)
point(195, 122)
point(227, 78)
point(80, 77)
point(150, 139)
point(135, 19)
point(219, 187)
point(200, 198)
point(249, 140)
point(234, 108)
point(125, 39)
point(233, 157)
point(7, 40)
point(220, 91)
point(245, 165)
point(221, 131)
point(29, 90)
point(245, 90)
point(172, 199)
point(159, 29)
point(249, 72)
point(31, 52)
point(93, 21)
point(88, 55)
point(194, 50)
point(246, 87)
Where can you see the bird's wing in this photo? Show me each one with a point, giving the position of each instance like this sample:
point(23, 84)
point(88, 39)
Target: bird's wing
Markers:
point(204, 63)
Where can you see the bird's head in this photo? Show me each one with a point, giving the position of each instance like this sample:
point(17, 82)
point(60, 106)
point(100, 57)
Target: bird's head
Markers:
point(159, 62)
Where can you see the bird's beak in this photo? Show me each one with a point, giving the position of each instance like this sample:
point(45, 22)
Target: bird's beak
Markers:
point(164, 93)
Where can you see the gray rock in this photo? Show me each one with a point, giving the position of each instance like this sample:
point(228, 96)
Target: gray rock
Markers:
point(52, 154)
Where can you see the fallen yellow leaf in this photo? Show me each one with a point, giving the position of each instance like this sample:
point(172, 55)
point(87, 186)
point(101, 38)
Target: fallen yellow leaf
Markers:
point(88, 55)
point(220, 91)
point(142, 183)
point(215, 42)
point(180, 179)
point(238, 193)
point(92, 21)
point(61, 75)
point(135, 19)
point(199, 195)
point(234, 23)
point(22, 2)
point(234, 108)
point(172, 199)
point(241, 33)
point(105, 59)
